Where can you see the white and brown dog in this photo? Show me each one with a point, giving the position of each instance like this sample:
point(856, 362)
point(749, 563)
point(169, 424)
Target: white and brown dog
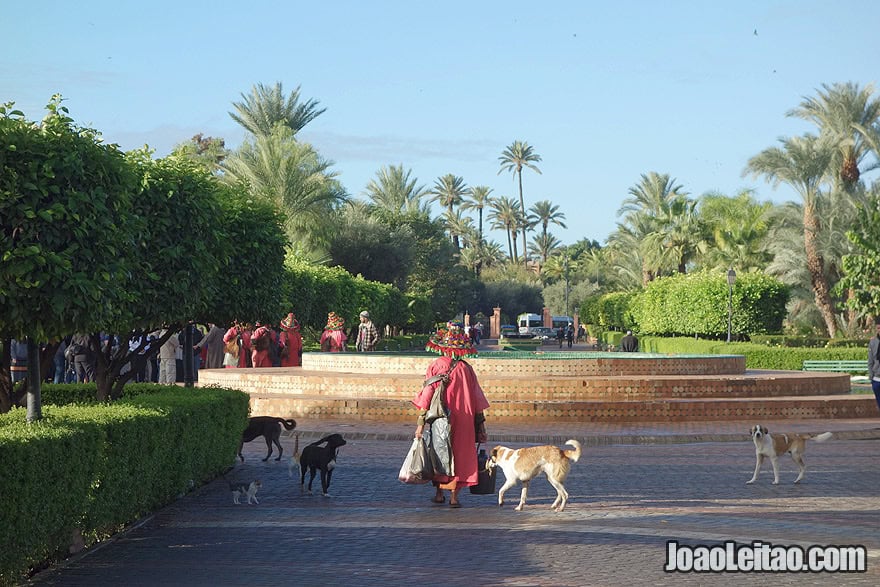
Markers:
point(777, 445)
point(524, 464)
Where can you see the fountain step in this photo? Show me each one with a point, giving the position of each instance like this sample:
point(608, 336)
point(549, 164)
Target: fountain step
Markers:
point(509, 411)
point(403, 387)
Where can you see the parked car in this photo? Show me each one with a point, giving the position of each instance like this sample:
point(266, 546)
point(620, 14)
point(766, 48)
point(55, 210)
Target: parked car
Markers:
point(544, 332)
point(509, 331)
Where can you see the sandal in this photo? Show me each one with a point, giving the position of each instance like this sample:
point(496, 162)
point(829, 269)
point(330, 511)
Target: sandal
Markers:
point(454, 504)
point(441, 500)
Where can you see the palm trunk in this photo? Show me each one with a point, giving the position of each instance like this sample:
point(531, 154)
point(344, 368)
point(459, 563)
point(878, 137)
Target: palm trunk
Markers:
point(509, 246)
point(522, 205)
point(513, 235)
point(815, 265)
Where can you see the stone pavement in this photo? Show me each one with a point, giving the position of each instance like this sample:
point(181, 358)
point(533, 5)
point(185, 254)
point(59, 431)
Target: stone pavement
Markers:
point(635, 488)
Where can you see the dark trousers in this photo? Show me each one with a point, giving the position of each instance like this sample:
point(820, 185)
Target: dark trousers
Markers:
point(875, 385)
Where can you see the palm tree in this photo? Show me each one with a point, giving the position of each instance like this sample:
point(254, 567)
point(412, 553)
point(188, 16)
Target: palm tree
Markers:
point(544, 213)
point(293, 175)
point(478, 199)
point(393, 190)
point(543, 246)
point(449, 192)
point(458, 226)
point(504, 215)
point(517, 155)
point(801, 163)
point(656, 213)
point(737, 229)
point(839, 111)
point(265, 107)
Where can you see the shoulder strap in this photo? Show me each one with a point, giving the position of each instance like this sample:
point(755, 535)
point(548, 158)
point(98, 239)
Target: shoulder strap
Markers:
point(442, 376)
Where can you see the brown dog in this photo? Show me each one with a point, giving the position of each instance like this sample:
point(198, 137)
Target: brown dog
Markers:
point(777, 445)
point(267, 427)
point(524, 464)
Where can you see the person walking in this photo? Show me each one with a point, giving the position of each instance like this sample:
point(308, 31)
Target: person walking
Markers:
point(291, 342)
point(368, 335)
point(213, 341)
point(874, 361)
point(560, 336)
point(569, 335)
point(465, 400)
point(261, 339)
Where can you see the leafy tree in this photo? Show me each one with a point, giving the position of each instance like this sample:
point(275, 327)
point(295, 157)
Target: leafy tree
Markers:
point(862, 269)
point(267, 107)
point(515, 156)
point(737, 229)
point(208, 151)
point(68, 234)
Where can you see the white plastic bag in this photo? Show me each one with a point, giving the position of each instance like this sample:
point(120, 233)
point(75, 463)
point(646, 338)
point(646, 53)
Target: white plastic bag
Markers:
point(416, 468)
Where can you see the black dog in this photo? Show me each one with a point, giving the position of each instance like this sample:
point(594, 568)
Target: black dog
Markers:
point(315, 457)
point(267, 427)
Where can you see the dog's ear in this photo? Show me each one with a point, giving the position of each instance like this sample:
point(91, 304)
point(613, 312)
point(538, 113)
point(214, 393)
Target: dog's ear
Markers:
point(764, 430)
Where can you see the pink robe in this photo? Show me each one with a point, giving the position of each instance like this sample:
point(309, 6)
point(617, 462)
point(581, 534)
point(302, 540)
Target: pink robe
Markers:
point(337, 340)
point(245, 344)
point(261, 358)
point(465, 399)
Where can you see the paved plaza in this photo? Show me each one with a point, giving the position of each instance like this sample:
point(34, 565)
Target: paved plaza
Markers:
point(634, 489)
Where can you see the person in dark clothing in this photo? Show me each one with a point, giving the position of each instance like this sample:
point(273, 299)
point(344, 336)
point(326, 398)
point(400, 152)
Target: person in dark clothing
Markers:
point(560, 336)
point(629, 343)
point(569, 335)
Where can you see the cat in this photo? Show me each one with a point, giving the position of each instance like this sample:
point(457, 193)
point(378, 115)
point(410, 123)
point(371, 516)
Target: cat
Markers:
point(242, 489)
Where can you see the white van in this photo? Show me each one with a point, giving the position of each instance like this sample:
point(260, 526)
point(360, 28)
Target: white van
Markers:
point(526, 323)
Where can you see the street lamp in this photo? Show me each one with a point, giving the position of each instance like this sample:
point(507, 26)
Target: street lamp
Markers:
point(731, 279)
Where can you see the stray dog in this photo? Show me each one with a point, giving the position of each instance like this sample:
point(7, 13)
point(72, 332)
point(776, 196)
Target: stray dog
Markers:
point(777, 445)
point(524, 464)
point(267, 427)
point(316, 457)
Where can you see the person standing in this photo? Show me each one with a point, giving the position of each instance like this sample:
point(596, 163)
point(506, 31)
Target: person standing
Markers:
point(465, 401)
point(368, 335)
point(333, 338)
point(629, 343)
point(83, 358)
point(240, 338)
point(261, 339)
point(168, 359)
point(291, 342)
point(874, 361)
point(214, 343)
point(569, 334)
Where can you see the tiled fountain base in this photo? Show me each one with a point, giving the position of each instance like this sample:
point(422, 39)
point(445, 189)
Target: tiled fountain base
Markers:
point(579, 387)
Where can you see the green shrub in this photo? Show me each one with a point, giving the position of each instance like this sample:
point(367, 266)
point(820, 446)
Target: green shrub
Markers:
point(93, 467)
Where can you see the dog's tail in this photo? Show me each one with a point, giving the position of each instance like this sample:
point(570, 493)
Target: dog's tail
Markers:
point(288, 424)
point(821, 437)
point(573, 455)
point(294, 460)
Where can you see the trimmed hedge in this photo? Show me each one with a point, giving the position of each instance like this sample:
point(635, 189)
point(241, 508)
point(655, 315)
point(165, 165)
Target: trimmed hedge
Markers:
point(757, 356)
point(91, 468)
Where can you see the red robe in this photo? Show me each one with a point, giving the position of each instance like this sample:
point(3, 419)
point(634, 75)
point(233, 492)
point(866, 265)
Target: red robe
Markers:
point(465, 399)
point(261, 358)
point(291, 340)
point(337, 340)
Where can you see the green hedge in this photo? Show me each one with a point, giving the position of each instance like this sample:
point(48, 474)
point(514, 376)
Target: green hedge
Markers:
point(91, 468)
point(757, 356)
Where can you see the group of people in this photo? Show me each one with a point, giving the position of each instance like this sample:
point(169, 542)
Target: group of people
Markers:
point(260, 345)
point(333, 338)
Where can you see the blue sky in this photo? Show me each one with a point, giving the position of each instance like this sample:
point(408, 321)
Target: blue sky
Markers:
point(603, 91)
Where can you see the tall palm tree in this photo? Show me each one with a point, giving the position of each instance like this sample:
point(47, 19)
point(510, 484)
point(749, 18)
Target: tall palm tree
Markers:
point(515, 156)
point(839, 111)
point(458, 226)
point(478, 199)
point(504, 215)
point(544, 213)
point(267, 106)
point(393, 190)
point(295, 177)
point(449, 191)
point(801, 163)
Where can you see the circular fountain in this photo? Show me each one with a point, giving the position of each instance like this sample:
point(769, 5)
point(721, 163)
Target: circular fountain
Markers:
point(550, 386)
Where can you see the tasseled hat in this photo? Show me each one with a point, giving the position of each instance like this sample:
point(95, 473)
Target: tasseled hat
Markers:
point(452, 342)
point(334, 322)
point(290, 323)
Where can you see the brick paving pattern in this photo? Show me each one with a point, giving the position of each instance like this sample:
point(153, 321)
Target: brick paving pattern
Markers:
point(634, 489)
